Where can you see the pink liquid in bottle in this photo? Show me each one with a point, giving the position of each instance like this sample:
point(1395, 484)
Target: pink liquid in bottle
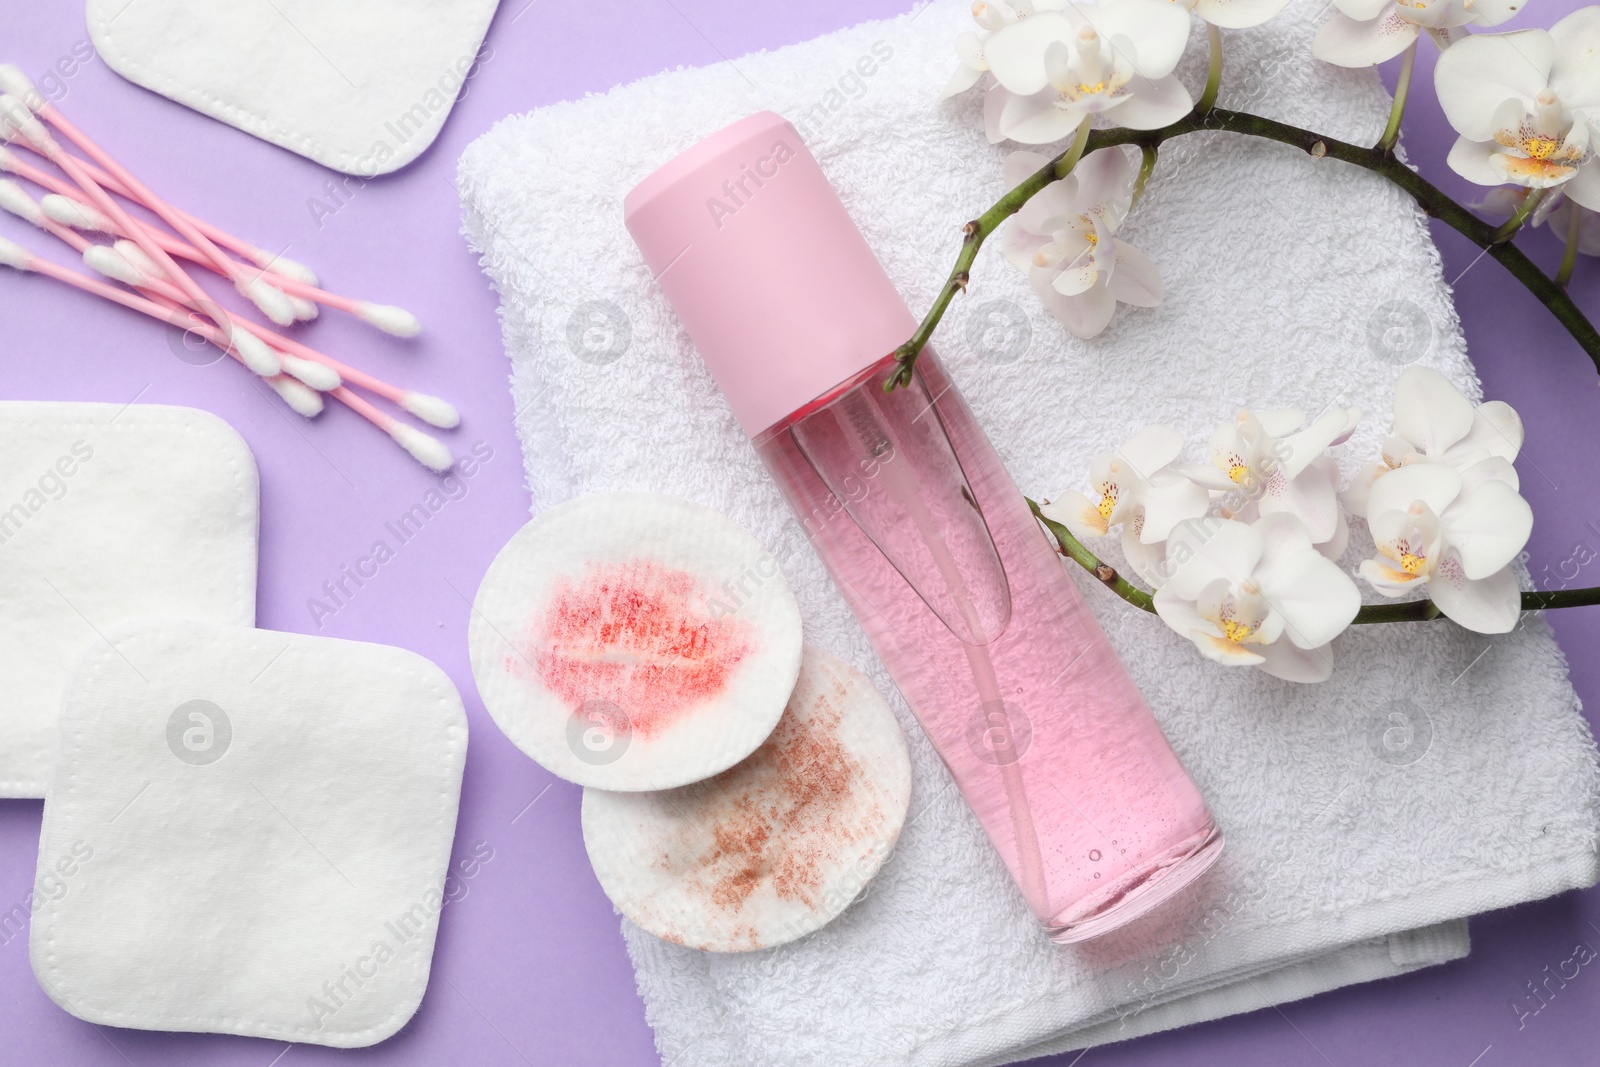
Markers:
point(933, 546)
point(1011, 677)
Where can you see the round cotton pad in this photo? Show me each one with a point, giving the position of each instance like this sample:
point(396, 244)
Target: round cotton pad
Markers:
point(634, 641)
point(775, 847)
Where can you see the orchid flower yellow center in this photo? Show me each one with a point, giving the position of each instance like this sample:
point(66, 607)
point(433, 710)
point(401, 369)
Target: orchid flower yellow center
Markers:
point(1412, 563)
point(1236, 631)
point(1540, 148)
point(1108, 501)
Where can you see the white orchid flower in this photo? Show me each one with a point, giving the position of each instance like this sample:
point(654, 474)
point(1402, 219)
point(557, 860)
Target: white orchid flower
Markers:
point(1234, 14)
point(1063, 240)
point(1267, 464)
point(1435, 528)
point(1526, 105)
point(1435, 423)
point(1136, 488)
point(1058, 69)
point(990, 16)
point(1364, 32)
point(1256, 594)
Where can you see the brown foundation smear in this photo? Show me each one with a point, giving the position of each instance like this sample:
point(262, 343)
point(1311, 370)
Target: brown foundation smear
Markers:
point(784, 818)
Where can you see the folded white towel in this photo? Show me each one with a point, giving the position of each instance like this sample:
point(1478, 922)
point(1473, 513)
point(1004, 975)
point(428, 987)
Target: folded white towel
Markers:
point(1354, 846)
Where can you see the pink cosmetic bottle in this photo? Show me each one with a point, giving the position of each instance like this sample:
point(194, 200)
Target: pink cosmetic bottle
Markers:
point(931, 543)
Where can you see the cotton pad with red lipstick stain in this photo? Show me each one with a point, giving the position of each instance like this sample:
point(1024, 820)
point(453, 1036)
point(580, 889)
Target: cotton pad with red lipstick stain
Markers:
point(774, 847)
point(635, 641)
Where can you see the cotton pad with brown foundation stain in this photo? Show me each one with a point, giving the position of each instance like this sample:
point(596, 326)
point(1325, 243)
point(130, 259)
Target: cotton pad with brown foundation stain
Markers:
point(774, 847)
point(634, 641)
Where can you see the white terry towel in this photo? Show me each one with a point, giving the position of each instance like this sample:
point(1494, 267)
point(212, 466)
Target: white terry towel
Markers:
point(1438, 774)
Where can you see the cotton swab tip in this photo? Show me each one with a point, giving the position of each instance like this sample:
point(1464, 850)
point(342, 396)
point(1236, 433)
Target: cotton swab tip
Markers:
point(303, 399)
point(20, 118)
point(304, 310)
point(393, 320)
point(8, 160)
point(319, 377)
point(255, 353)
point(432, 410)
point(15, 199)
point(75, 213)
point(106, 260)
point(137, 256)
point(273, 302)
point(19, 85)
point(15, 256)
point(285, 266)
point(426, 450)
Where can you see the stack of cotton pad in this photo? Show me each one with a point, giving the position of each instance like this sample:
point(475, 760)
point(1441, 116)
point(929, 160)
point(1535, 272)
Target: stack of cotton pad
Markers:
point(302, 792)
point(738, 793)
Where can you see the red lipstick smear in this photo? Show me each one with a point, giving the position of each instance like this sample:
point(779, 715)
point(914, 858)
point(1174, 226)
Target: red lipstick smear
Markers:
point(641, 636)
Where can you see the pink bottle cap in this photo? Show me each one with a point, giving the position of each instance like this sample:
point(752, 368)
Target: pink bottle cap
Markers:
point(764, 266)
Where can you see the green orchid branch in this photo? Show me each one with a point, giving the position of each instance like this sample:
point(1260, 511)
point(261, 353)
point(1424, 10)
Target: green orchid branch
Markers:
point(973, 236)
point(1378, 159)
point(1405, 611)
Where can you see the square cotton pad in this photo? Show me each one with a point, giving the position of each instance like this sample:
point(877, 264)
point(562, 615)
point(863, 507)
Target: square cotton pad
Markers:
point(109, 511)
point(362, 86)
point(257, 827)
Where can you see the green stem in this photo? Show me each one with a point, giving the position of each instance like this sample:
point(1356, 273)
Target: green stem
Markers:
point(973, 236)
point(1408, 611)
point(1402, 88)
point(1062, 166)
point(1569, 258)
point(1221, 120)
point(1146, 165)
point(1073, 548)
point(1509, 230)
point(1208, 97)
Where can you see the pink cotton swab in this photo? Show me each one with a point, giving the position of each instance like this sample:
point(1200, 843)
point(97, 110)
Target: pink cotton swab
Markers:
point(425, 449)
point(19, 258)
point(67, 206)
point(149, 266)
point(392, 320)
point(399, 322)
point(252, 351)
point(430, 409)
point(19, 121)
point(322, 372)
point(272, 262)
point(273, 303)
point(113, 264)
point(299, 395)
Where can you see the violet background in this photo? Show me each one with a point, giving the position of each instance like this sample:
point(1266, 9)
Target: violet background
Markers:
point(530, 967)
